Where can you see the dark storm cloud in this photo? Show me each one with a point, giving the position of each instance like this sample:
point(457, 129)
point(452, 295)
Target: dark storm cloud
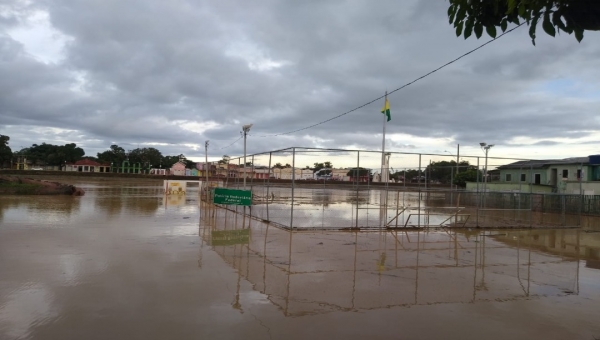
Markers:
point(176, 73)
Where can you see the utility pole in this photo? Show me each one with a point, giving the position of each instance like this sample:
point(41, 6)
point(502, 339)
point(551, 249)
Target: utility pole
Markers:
point(245, 129)
point(206, 163)
point(486, 148)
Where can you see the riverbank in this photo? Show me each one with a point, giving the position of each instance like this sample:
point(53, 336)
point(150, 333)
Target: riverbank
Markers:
point(19, 185)
point(58, 175)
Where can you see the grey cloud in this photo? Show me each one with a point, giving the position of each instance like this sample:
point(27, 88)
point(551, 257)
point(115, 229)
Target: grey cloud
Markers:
point(149, 62)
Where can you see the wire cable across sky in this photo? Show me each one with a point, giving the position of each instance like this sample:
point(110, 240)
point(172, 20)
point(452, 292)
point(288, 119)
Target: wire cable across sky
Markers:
point(395, 90)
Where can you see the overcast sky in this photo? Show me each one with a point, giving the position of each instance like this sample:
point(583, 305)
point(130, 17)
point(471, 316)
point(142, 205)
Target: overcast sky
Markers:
point(172, 74)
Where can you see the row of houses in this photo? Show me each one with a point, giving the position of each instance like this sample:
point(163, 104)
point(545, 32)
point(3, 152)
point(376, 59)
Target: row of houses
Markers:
point(222, 170)
point(264, 172)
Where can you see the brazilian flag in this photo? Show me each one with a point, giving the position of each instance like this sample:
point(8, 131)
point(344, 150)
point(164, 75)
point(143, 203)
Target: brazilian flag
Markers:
point(386, 110)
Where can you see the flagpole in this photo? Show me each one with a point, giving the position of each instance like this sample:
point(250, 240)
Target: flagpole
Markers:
point(383, 141)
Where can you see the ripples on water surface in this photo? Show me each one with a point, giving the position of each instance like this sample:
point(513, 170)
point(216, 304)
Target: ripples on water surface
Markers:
point(125, 262)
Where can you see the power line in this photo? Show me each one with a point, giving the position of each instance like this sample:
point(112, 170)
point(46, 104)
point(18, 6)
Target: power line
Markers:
point(225, 147)
point(398, 89)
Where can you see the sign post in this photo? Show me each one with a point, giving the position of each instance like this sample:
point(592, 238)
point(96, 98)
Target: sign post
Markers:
point(232, 196)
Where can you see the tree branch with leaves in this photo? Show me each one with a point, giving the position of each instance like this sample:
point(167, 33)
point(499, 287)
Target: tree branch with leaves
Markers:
point(569, 16)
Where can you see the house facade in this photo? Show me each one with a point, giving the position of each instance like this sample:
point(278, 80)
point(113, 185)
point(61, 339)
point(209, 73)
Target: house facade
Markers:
point(226, 170)
point(178, 169)
point(577, 175)
point(289, 173)
point(206, 169)
point(87, 165)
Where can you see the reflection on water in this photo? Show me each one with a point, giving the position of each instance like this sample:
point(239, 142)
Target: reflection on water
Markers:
point(126, 262)
point(319, 208)
point(311, 273)
point(110, 200)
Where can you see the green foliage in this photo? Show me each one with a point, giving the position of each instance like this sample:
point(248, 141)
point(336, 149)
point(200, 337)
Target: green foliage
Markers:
point(225, 159)
point(469, 175)
point(569, 16)
point(5, 151)
point(358, 172)
point(319, 166)
point(147, 157)
point(168, 161)
point(49, 154)
point(115, 155)
point(407, 174)
point(443, 171)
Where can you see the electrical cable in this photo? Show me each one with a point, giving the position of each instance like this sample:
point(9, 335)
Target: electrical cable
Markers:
point(225, 147)
point(398, 89)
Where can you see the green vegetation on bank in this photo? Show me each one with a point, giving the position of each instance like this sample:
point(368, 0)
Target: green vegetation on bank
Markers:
point(16, 188)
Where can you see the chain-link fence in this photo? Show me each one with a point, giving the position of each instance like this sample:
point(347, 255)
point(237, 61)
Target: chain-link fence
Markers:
point(304, 189)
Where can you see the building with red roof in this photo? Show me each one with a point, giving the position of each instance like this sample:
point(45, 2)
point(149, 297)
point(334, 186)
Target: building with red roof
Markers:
point(87, 165)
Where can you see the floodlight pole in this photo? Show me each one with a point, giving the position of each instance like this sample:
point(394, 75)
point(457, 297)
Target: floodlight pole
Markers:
point(486, 148)
point(245, 129)
point(206, 162)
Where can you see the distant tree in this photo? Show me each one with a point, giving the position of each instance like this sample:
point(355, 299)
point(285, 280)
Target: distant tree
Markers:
point(469, 175)
point(149, 157)
point(225, 159)
point(287, 165)
point(409, 174)
point(569, 16)
point(190, 164)
point(169, 161)
point(70, 153)
point(115, 154)
point(358, 172)
point(443, 171)
point(5, 151)
point(319, 166)
point(278, 166)
point(49, 154)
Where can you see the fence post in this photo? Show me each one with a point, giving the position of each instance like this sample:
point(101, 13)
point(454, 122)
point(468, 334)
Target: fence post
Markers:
point(293, 189)
point(478, 196)
point(357, 175)
point(419, 190)
point(530, 195)
point(269, 186)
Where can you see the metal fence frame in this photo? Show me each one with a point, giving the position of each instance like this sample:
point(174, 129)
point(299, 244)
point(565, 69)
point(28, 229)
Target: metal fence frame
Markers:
point(479, 208)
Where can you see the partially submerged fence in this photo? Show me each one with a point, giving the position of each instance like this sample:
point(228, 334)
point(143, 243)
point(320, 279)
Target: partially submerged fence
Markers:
point(354, 201)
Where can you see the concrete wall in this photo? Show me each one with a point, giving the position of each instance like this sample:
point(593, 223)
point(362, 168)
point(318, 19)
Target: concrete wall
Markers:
point(509, 187)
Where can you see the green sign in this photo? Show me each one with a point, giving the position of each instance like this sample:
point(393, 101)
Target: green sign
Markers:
point(230, 237)
point(232, 196)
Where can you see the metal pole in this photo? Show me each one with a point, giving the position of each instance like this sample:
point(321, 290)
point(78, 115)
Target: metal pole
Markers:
point(268, 189)
point(530, 195)
point(245, 174)
point(206, 163)
point(383, 141)
point(457, 161)
point(478, 194)
point(419, 201)
point(293, 187)
point(357, 175)
point(485, 173)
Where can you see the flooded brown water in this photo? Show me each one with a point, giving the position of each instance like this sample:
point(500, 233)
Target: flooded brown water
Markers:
point(124, 262)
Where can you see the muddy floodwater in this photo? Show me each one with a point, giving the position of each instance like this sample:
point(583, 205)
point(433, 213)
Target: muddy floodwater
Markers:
point(126, 262)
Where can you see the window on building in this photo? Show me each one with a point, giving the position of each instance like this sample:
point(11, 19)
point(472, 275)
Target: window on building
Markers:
point(579, 174)
point(565, 174)
point(523, 177)
point(508, 178)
